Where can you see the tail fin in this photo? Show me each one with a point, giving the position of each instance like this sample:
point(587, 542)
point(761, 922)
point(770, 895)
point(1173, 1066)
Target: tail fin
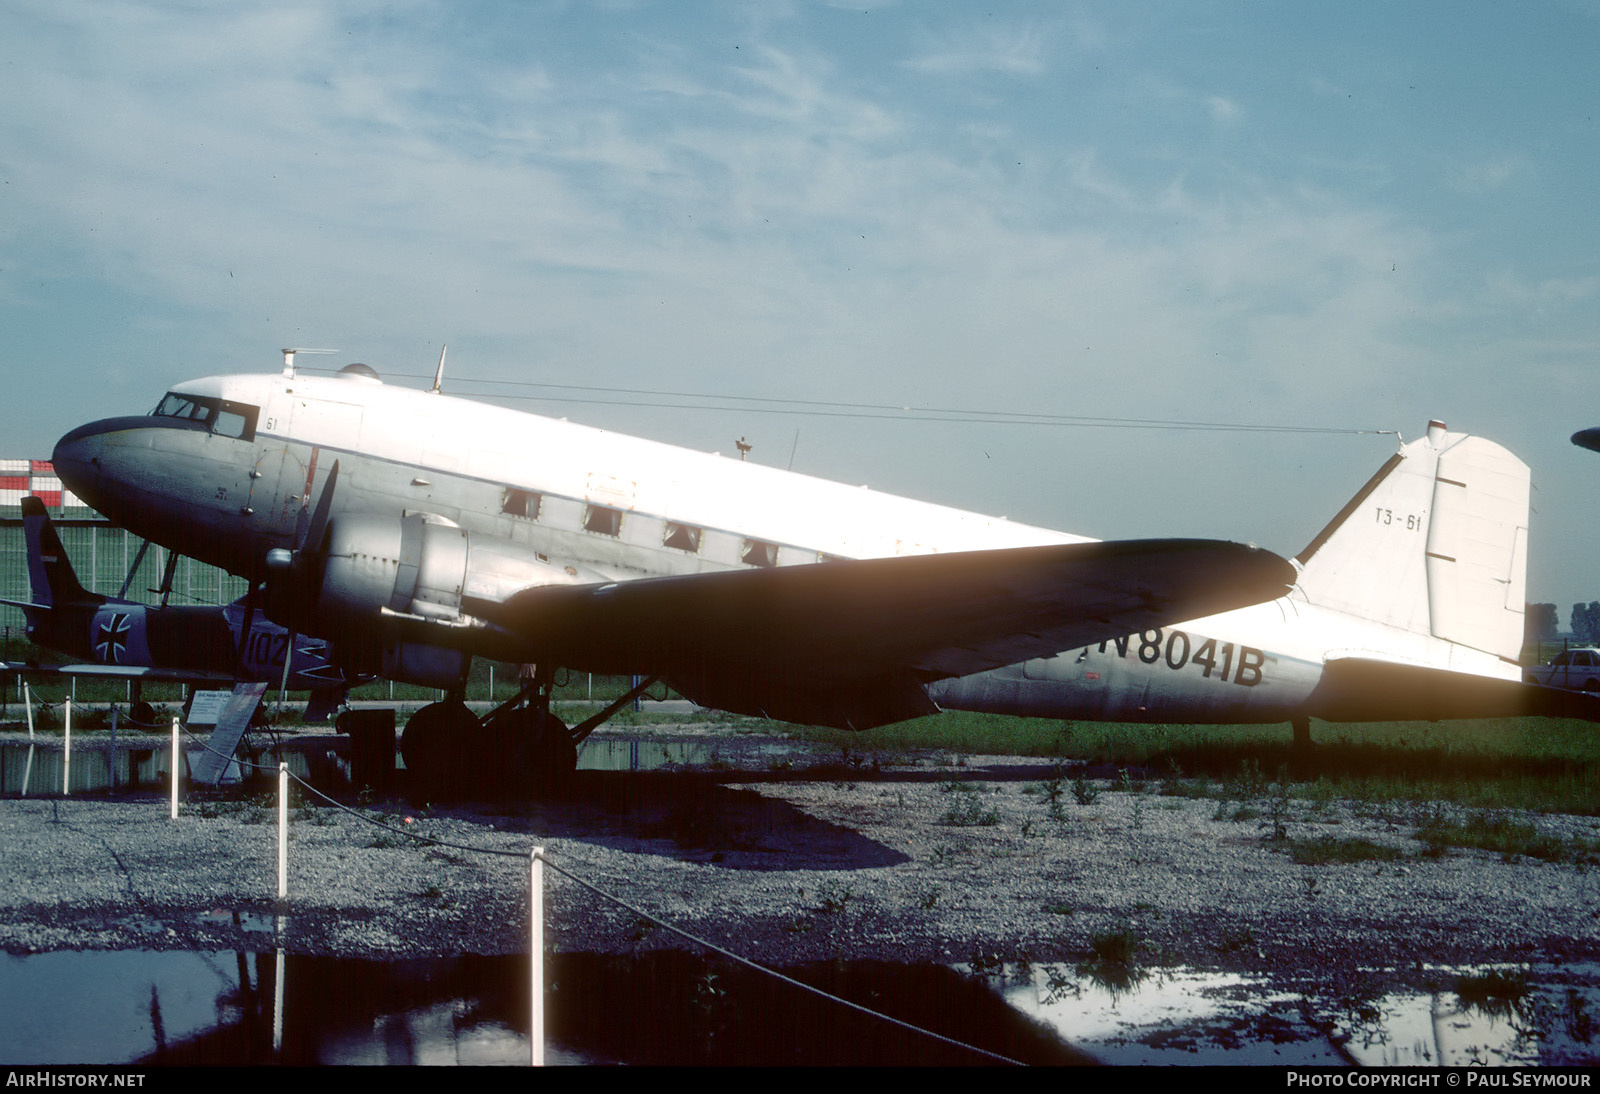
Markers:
point(49, 571)
point(1436, 543)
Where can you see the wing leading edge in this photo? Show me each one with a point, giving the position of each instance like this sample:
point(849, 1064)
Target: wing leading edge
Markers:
point(851, 643)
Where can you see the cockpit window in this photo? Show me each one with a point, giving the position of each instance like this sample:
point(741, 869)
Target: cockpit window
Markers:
point(185, 406)
point(222, 416)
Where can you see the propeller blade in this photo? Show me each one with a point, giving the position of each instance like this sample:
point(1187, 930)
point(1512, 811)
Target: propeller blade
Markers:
point(319, 516)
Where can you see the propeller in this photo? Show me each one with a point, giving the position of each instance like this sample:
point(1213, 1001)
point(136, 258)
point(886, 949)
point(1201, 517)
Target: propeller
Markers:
point(293, 576)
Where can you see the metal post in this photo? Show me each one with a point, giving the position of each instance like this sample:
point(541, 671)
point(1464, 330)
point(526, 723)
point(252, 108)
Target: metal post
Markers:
point(536, 957)
point(174, 767)
point(283, 829)
point(114, 779)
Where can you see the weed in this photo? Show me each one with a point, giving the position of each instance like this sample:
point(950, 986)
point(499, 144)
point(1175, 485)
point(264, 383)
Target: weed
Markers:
point(1058, 907)
point(1083, 791)
point(1176, 786)
point(1247, 784)
point(1494, 992)
point(1232, 939)
point(1116, 947)
point(983, 964)
point(1278, 807)
point(931, 897)
point(835, 898)
point(969, 812)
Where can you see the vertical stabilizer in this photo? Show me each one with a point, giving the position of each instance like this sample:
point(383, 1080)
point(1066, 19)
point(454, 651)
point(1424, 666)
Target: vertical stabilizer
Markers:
point(1435, 544)
point(50, 573)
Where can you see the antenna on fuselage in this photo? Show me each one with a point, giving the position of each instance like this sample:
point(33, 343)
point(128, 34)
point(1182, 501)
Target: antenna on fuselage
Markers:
point(288, 358)
point(438, 373)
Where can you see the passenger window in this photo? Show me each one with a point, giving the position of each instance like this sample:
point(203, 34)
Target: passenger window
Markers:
point(522, 503)
point(756, 552)
point(683, 537)
point(597, 518)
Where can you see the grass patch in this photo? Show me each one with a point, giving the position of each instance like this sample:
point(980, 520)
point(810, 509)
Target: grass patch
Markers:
point(1506, 836)
point(1542, 764)
point(1323, 850)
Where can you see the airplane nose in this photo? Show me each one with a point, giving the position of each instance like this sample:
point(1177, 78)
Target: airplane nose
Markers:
point(79, 458)
point(75, 457)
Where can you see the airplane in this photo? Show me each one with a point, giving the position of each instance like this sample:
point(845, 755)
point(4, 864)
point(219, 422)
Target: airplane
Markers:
point(1587, 438)
point(414, 530)
point(114, 637)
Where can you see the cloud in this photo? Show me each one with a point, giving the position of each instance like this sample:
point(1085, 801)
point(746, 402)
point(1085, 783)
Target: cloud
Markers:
point(989, 48)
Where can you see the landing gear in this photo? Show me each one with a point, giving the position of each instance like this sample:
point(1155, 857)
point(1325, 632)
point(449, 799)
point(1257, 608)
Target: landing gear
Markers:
point(518, 750)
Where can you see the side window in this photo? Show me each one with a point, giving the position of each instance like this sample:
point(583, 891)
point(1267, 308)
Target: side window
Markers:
point(597, 518)
point(522, 503)
point(236, 420)
point(757, 552)
point(683, 537)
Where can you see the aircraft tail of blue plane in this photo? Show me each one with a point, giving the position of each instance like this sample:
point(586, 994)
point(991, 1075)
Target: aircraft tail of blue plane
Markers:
point(51, 577)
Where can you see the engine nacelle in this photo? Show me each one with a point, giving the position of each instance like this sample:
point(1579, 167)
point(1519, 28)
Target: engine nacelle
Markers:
point(419, 567)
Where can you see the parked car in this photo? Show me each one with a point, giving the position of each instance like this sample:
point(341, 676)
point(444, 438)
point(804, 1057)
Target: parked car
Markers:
point(1575, 669)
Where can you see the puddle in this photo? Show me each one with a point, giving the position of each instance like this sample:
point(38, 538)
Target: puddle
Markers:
point(675, 1008)
point(1492, 1017)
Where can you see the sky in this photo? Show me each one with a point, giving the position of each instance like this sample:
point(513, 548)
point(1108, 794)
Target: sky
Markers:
point(1336, 220)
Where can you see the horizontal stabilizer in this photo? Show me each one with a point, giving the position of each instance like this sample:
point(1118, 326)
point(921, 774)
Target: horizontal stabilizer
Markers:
point(850, 643)
point(1355, 689)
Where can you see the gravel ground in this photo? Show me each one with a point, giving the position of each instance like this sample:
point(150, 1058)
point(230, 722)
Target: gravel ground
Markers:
point(925, 861)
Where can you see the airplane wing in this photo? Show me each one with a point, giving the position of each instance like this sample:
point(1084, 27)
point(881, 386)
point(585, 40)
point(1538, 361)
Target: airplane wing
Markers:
point(122, 672)
point(851, 643)
point(1358, 689)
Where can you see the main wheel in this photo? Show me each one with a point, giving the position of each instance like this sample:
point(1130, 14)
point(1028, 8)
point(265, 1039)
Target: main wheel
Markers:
point(534, 762)
point(442, 748)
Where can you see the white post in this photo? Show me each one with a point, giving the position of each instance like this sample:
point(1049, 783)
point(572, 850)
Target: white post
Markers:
point(283, 829)
point(66, 751)
point(27, 768)
point(536, 957)
point(174, 767)
point(277, 994)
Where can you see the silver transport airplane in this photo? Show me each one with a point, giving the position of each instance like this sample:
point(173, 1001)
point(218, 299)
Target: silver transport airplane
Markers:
point(413, 531)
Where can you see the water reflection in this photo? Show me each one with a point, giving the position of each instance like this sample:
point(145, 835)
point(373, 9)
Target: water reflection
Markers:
point(675, 1008)
point(1183, 1016)
point(663, 1007)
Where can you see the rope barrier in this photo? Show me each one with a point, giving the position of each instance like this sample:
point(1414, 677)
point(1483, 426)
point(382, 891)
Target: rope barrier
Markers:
point(544, 857)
